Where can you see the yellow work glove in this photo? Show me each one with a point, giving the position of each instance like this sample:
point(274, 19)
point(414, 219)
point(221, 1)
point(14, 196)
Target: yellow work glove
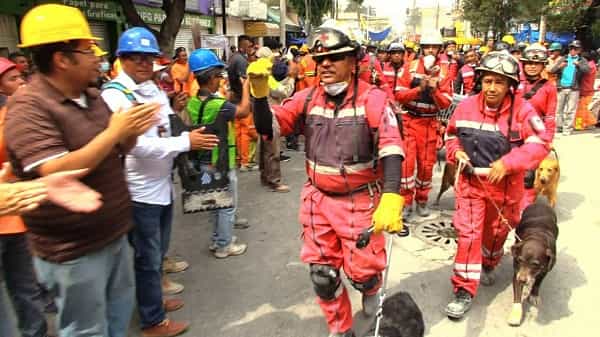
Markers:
point(388, 215)
point(258, 74)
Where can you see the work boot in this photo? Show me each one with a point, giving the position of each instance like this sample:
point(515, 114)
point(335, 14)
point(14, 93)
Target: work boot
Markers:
point(460, 304)
point(283, 158)
point(172, 266)
point(172, 304)
point(171, 288)
point(348, 333)
point(422, 210)
point(281, 188)
point(488, 276)
point(240, 223)
point(232, 249)
point(213, 246)
point(166, 328)
point(247, 168)
point(370, 304)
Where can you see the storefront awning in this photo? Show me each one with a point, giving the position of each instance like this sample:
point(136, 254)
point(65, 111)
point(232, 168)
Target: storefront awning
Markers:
point(261, 28)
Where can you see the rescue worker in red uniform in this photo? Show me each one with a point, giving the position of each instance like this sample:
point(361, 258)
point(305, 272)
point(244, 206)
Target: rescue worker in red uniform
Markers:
point(450, 58)
point(465, 80)
point(541, 94)
point(393, 71)
point(370, 71)
point(429, 92)
point(383, 55)
point(497, 135)
point(352, 143)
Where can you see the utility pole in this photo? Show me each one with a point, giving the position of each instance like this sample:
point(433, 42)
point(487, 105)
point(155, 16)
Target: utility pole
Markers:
point(282, 19)
point(437, 16)
point(542, 29)
point(224, 16)
point(414, 12)
point(307, 15)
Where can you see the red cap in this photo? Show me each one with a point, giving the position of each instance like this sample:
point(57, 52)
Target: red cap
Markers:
point(6, 65)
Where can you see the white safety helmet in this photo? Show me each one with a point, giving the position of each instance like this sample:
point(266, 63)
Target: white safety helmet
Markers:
point(433, 38)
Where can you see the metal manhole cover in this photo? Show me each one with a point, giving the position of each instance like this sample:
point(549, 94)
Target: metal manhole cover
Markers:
point(438, 232)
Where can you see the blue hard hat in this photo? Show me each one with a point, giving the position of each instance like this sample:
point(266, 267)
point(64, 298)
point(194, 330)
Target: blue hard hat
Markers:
point(203, 59)
point(137, 40)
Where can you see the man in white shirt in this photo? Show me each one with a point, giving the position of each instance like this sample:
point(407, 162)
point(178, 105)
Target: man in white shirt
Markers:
point(148, 168)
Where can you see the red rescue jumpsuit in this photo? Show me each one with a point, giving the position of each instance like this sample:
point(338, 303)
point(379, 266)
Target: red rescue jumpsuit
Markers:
point(371, 72)
point(466, 79)
point(483, 134)
point(420, 130)
point(451, 64)
point(544, 102)
point(339, 159)
point(393, 76)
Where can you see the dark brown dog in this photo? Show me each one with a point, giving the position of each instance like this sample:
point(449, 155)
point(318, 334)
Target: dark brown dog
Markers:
point(401, 318)
point(533, 256)
point(447, 180)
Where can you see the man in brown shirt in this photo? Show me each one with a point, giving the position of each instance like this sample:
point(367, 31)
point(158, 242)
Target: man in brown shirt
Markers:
point(56, 123)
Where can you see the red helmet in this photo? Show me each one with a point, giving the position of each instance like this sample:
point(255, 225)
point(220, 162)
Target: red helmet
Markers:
point(6, 65)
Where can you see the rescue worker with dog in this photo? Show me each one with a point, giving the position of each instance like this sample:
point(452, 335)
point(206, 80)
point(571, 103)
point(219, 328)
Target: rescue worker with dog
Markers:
point(353, 161)
point(496, 135)
point(541, 94)
point(429, 92)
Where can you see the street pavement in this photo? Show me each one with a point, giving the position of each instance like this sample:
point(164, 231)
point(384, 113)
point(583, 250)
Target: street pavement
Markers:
point(267, 292)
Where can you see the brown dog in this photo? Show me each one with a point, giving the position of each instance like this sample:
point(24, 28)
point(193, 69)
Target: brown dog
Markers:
point(546, 179)
point(533, 256)
point(447, 180)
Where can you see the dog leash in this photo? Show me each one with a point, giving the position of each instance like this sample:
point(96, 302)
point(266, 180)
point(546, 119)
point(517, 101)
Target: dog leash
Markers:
point(462, 164)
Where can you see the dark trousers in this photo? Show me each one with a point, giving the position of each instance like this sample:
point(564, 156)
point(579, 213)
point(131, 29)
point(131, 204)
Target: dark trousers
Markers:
point(150, 240)
point(16, 269)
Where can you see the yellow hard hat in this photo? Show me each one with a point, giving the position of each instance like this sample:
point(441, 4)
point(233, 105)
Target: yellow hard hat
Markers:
point(508, 39)
point(484, 49)
point(304, 49)
point(409, 45)
point(53, 23)
point(98, 51)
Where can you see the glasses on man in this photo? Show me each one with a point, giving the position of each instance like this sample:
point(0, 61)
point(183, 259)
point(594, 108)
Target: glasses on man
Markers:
point(501, 61)
point(139, 58)
point(87, 52)
point(331, 57)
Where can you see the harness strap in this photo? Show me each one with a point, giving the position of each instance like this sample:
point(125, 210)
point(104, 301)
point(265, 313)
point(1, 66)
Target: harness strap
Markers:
point(535, 89)
point(120, 87)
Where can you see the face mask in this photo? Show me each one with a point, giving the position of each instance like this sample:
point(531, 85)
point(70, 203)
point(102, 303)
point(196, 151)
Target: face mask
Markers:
point(428, 62)
point(104, 67)
point(335, 89)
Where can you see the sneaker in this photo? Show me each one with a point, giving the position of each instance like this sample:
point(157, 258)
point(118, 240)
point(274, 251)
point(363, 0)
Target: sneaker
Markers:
point(283, 158)
point(232, 249)
point(240, 223)
point(172, 266)
point(422, 210)
point(172, 304)
point(281, 188)
point(459, 306)
point(370, 304)
point(166, 328)
point(247, 168)
point(171, 288)
point(488, 276)
point(213, 245)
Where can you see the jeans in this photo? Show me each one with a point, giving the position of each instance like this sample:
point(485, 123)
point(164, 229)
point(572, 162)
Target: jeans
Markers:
point(16, 270)
point(95, 294)
point(225, 218)
point(150, 240)
point(566, 108)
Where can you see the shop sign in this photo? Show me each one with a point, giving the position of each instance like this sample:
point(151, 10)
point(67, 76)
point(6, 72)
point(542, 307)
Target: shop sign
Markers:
point(96, 10)
point(155, 16)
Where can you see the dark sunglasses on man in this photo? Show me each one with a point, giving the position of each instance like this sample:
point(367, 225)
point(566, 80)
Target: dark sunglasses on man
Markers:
point(331, 57)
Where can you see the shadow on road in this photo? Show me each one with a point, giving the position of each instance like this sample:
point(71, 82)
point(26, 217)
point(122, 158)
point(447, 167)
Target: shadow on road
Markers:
point(566, 204)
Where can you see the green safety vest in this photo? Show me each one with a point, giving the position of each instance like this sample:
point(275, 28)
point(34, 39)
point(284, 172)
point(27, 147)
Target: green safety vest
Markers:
point(211, 107)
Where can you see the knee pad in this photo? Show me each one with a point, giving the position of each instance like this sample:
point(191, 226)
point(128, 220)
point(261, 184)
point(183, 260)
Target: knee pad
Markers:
point(529, 178)
point(326, 280)
point(367, 285)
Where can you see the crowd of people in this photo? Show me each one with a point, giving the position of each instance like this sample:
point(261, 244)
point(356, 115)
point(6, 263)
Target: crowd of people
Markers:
point(93, 147)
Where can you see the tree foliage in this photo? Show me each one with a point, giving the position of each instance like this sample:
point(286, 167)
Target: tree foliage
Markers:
point(174, 11)
point(317, 10)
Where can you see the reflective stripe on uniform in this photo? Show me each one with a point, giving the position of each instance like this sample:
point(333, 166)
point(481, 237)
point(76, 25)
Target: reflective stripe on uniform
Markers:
point(534, 139)
point(328, 113)
point(329, 170)
point(423, 184)
point(477, 125)
point(390, 150)
point(468, 74)
point(418, 105)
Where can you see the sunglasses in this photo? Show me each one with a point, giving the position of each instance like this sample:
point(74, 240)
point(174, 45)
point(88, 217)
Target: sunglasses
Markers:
point(331, 57)
point(501, 61)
